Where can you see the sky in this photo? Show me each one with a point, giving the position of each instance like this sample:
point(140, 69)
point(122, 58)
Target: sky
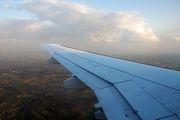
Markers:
point(107, 27)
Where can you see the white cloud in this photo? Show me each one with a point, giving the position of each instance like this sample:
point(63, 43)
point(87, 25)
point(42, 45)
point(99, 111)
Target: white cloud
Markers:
point(109, 40)
point(79, 21)
point(17, 28)
point(75, 24)
point(34, 27)
point(94, 39)
point(5, 6)
point(176, 38)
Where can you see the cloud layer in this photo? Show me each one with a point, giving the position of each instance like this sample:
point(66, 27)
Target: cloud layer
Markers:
point(75, 24)
point(75, 21)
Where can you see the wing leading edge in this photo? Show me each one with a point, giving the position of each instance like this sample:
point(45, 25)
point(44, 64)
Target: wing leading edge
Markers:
point(125, 90)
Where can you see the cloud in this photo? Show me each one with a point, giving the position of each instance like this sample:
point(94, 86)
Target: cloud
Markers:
point(75, 24)
point(109, 40)
point(84, 23)
point(25, 29)
point(176, 38)
point(34, 27)
point(6, 6)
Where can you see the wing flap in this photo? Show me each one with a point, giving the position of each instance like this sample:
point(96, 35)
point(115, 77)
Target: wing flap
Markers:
point(172, 102)
point(112, 105)
point(143, 103)
point(94, 82)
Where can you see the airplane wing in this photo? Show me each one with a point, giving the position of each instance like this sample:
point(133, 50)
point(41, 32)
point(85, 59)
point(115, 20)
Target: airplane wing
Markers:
point(125, 90)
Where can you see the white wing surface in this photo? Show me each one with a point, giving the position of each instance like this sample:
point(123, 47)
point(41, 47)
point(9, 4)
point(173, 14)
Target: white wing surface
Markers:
point(125, 90)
